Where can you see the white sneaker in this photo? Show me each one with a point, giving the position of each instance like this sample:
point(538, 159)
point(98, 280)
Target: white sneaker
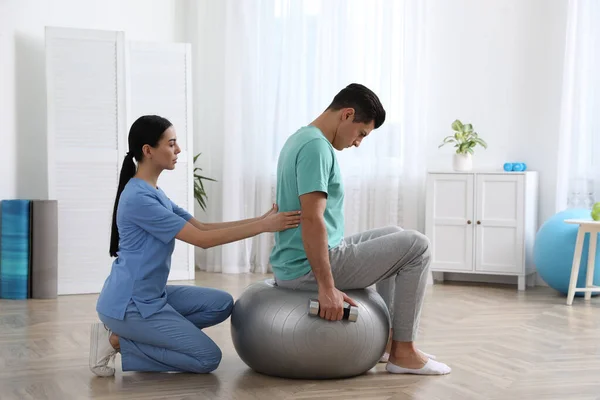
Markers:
point(101, 351)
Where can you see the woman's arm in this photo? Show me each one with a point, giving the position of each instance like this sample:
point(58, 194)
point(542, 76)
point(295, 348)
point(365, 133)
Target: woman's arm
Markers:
point(209, 226)
point(216, 237)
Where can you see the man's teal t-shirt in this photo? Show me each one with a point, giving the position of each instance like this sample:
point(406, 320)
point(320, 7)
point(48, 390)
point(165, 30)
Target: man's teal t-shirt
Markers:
point(307, 163)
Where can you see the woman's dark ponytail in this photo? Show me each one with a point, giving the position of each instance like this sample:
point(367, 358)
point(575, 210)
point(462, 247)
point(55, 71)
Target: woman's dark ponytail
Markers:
point(146, 130)
point(127, 172)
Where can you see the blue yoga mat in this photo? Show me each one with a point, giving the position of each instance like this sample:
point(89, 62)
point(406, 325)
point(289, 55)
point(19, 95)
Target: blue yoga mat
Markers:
point(14, 249)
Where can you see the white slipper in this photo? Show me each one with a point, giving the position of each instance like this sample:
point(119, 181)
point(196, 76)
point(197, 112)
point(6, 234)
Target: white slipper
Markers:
point(386, 356)
point(431, 367)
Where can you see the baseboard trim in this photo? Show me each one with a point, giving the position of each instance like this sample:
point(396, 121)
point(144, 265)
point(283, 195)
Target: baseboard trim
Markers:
point(483, 278)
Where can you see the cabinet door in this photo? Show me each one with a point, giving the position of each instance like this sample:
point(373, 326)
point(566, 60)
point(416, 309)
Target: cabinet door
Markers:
point(499, 223)
point(449, 221)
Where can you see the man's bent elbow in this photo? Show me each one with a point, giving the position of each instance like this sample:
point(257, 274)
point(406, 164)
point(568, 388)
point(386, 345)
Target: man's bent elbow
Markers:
point(312, 219)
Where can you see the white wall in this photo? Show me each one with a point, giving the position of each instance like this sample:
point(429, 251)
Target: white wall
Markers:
point(22, 68)
point(498, 64)
point(209, 104)
point(495, 63)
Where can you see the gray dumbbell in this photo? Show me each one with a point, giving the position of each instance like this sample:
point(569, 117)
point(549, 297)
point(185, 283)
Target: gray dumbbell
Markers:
point(350, 312)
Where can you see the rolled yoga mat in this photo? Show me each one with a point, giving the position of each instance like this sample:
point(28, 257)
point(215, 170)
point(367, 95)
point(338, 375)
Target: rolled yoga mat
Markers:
point(15, 249)
point(44, 249)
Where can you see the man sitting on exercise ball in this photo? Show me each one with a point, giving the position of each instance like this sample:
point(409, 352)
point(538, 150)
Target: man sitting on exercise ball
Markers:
point(317, 256)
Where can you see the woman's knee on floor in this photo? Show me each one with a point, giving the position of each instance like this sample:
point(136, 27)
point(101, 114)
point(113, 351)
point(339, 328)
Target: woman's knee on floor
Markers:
point(206, 361)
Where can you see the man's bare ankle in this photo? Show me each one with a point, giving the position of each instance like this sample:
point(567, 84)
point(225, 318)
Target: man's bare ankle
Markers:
point(409, 355)
point(388, 347)
point(414, 361)
point(406, 355)
point(403, 349)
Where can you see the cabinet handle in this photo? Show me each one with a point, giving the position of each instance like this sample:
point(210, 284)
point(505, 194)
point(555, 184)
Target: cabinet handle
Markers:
point(469, 221)
point(478, 222)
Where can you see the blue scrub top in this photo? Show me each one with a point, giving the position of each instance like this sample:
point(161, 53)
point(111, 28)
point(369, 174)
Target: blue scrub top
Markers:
point(148, 222)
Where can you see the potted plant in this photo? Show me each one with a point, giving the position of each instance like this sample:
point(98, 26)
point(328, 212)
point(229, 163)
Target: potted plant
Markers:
point(199, 192)
point(464, 140)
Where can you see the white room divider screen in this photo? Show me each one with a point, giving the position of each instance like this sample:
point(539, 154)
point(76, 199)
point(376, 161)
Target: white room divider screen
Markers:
point(98, 83)
point(160, 83)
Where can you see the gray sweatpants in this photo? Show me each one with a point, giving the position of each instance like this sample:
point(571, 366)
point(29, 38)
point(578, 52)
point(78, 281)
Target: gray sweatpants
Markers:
point(395, 260)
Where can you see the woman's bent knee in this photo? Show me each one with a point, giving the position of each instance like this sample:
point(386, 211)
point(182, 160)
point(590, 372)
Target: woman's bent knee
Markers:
point(226, 306)
point(206, 363)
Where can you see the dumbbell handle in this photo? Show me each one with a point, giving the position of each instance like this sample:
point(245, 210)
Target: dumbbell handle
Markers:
point(350, 312)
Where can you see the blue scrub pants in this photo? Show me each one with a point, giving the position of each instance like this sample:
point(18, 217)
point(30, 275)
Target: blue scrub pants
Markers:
point(171, 340)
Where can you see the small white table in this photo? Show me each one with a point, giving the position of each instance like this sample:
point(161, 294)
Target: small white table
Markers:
point(593, 228)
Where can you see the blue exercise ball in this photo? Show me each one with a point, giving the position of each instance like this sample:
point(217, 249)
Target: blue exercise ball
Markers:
point(554, 248)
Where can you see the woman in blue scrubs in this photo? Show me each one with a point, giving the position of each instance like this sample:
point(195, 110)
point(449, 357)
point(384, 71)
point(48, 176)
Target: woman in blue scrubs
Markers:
point(155, 326)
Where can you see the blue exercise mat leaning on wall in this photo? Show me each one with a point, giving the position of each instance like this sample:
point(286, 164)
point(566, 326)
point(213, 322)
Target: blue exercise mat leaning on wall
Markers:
point(15, 246)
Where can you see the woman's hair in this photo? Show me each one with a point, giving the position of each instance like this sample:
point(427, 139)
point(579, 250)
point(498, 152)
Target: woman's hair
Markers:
point(147, 129)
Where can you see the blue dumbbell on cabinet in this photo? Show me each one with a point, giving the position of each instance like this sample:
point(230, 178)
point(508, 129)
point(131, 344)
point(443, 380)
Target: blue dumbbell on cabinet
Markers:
point(515, 166)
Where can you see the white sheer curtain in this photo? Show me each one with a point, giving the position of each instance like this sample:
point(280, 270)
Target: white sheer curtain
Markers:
point(266, 68)
point(579, 148)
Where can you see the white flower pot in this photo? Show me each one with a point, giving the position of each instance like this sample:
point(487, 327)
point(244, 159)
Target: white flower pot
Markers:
point(462, 162)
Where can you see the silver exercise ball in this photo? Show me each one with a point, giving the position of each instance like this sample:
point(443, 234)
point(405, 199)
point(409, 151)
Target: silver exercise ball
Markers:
point(274, 334)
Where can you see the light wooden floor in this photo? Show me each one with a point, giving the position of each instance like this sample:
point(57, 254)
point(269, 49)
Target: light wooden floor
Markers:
point(501, 344)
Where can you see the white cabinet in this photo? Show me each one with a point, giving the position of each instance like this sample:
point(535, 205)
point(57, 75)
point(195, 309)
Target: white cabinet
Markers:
point(482, 222)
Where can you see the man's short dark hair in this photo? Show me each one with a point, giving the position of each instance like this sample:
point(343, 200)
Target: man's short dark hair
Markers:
point(366, 104)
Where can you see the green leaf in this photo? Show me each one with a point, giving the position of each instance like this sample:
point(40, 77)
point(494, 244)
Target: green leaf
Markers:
point(199, 192)
point(465, 138)
point(447, 139)
point(481, 142)
point(457, 126)
point(199, 195)
point(203, 177)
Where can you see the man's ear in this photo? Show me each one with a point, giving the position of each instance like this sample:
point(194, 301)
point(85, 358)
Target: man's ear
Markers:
point(348, 113)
